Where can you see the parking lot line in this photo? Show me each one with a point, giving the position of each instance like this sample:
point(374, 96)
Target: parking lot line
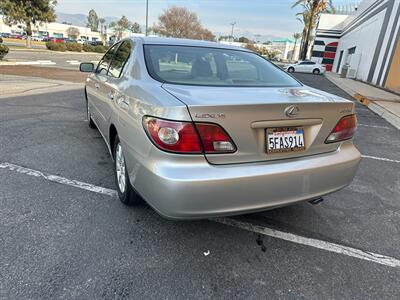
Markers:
point(73, 62)
point(381, 158)
point(59, 179)
point(319, 244)
point(373, 126)
point(323, 245)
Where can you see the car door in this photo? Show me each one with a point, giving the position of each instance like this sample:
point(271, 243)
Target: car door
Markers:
point(310, 66)
point(118, 83)
point(301, 67)
point(115, 96)
point(98, 90)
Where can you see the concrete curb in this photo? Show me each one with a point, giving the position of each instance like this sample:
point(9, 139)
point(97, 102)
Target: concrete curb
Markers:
point(374, 104)
point(389, 116)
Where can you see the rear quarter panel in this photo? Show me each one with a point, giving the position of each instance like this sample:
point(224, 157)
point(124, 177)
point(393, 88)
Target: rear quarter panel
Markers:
point(144, 96)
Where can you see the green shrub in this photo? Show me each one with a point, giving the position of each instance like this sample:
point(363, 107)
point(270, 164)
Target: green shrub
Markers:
point(88, 48)
point(56, 46)
point(74, 47)
point(101, 49)
point(3, 51)
point(91, 48)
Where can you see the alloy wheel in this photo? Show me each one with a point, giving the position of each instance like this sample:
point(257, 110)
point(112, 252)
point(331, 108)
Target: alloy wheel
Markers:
point(120, 168)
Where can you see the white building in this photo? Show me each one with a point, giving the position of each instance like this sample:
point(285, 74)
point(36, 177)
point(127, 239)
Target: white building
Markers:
point(365, 42)
point(57, 30)
point(284, 47)
point(288, 48)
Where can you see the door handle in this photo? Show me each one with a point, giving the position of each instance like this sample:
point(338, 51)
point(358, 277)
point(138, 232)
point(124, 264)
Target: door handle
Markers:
point(96, 85)
point(123, 103)
point(111, 95)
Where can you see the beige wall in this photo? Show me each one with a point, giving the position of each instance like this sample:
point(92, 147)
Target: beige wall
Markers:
point(393, 79)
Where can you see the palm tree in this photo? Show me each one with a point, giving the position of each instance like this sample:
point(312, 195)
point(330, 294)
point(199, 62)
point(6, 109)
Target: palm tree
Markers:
point(305, 18)
point(296, 36)
point(102, 29)
point(315, 8)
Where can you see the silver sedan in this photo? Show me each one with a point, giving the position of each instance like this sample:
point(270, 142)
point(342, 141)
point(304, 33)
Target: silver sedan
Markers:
point(200, 129)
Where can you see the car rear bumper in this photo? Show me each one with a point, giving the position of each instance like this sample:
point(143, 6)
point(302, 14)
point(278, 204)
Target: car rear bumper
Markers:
point(201, 190)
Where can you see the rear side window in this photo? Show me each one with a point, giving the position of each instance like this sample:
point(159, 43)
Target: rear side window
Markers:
point(120, 58)
point(104, 63)
point(212, 67)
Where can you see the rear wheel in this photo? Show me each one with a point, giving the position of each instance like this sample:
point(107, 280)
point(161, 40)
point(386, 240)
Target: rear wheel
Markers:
point(316, 71)
point(126, 193)
point(291, 70)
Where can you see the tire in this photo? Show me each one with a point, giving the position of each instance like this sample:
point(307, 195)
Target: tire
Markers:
point(290, 70)
point(91, 124)
point(316, 71)
point(126, 193)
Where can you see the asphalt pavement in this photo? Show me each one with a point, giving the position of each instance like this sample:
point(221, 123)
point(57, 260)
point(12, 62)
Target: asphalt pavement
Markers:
point(60, 240)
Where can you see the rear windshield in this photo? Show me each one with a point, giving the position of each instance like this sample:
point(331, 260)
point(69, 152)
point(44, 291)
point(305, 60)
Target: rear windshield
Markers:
point(213, 67)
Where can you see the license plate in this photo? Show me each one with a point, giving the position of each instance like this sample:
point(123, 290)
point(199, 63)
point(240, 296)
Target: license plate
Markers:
point(285, 139)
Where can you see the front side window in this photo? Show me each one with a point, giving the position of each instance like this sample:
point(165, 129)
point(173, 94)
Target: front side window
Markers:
point(104, 63)
point(120, 58)
point(212, 67)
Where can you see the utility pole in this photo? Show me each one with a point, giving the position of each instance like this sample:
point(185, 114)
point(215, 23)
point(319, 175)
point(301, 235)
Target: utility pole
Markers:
point(233, 25)
point(147, 17)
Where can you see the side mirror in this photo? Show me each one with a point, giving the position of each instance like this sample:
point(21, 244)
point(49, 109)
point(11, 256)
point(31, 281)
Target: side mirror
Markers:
point(86, 67)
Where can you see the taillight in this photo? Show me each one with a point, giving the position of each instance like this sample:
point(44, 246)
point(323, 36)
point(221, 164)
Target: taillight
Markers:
point(188, 137)
point(343, 130)
point(214, 138)
point(180, 137)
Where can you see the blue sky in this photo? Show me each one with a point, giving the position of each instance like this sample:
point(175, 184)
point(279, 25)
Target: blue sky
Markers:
point(269, 18)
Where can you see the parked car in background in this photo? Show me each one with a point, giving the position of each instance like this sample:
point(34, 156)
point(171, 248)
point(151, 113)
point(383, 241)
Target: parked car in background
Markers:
point(46, 39)
point(96, 43)
point(36, 38)
point(200, 129)
point(305, 66)
point(81, 41)
point(17, 36)
point(5, 34)
point(57, 40)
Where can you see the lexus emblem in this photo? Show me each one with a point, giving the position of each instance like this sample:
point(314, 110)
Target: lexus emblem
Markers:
point(292, 111)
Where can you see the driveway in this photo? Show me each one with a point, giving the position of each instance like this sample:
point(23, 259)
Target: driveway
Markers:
point(64, 234)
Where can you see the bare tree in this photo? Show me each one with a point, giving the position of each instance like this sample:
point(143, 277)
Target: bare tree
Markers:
point(181, 23)
point(73, 32)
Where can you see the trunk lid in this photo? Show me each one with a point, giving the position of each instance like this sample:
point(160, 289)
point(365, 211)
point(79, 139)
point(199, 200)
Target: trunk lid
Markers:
point(246, 112)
